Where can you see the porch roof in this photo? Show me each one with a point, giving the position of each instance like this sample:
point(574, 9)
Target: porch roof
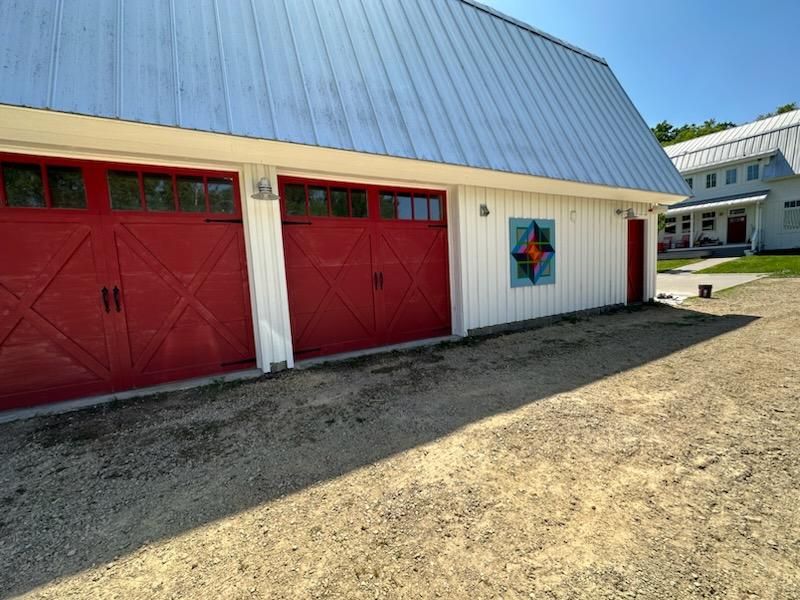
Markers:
point(693, 205)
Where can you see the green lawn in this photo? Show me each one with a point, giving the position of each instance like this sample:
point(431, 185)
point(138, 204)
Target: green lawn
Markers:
point(675, 263)
point(776, 266)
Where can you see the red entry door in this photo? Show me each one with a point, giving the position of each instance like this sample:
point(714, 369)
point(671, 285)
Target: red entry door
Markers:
point(737, 229)
point(366, 266)
point(635, 261)
point(116, 277)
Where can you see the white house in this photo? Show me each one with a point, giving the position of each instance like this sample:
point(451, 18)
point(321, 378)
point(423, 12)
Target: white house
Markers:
point(197, 187)
point(746, 185)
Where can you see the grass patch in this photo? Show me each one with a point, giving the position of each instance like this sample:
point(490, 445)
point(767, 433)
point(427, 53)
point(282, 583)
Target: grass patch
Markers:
point(775, 265)
point(669, 264)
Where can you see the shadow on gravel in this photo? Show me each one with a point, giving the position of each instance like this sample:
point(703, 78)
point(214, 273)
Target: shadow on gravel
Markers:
point(82, 489)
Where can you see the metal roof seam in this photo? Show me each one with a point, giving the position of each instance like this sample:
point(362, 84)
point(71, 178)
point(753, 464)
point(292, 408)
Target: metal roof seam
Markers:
point(264, 71)
point(482, 102)
point(302, 77)
point(335, 78)
point(539, 127)
point(509, 106)
point(225, 87)
point(527, 27)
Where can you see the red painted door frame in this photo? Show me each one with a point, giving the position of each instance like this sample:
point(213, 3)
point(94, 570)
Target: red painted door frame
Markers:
point(98, 228)
point(401, 288)
point(636, 252)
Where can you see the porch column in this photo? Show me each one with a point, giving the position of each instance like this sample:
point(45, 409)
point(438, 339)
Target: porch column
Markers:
point(755, 239)
point(691, 229)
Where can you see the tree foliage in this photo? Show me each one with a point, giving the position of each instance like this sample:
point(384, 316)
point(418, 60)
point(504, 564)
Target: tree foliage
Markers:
point(667, 133)
point(784, 108)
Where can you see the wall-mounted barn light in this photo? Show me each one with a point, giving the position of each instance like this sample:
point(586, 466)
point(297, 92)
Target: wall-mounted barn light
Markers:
point(485, 210)
point(627, 213)
point(264, 191)
point(573, 215)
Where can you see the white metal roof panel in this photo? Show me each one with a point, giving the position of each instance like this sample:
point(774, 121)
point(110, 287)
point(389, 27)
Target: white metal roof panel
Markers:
point(780, 133)
point(447, 81)
point(693, 205)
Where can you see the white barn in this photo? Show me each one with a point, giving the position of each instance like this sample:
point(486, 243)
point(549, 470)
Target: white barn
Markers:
point(746, 185)
point(192, 188)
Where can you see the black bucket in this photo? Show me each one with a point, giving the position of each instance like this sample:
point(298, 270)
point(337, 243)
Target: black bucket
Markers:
point(704, 290)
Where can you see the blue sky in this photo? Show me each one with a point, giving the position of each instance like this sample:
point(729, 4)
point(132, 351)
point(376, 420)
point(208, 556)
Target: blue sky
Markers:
point(684, 60)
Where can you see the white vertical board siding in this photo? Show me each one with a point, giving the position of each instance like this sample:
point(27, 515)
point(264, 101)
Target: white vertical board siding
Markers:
point(591, 255)
point(267, 271)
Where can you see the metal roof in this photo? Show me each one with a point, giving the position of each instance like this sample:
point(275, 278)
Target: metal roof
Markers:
point(448, 81)
point(780, 134)
point(691, 205)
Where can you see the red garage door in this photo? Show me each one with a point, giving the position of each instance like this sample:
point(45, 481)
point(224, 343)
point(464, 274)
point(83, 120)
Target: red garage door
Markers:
point(117, 277)
point(366, 265)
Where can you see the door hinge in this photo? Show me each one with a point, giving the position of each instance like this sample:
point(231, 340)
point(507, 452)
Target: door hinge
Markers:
point(224, 221)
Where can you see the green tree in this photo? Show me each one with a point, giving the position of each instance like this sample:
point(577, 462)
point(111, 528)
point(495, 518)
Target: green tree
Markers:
point(667, 134)
point(783, 108)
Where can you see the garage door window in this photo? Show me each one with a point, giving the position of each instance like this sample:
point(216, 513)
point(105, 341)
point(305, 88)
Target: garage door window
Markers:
point(300, 200)
point(23, 185)
point(123, 187)
point(191, 194)
point(406, 206)
point(158, 193)
point(66, 187)
point(220, 195)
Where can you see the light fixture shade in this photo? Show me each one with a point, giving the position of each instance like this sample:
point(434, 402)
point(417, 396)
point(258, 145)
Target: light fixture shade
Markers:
point(485, 210)
point(264, 191)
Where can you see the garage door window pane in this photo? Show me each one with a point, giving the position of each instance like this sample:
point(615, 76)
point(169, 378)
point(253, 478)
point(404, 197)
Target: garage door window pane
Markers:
point(436, 208)
point(158, 193)
point(387, 205)
point(23, 185)
point(220, 195)
point(295, 199)
point(404, 206)
point(191, 194)
point(66, 187)
point(123, 186)
point(420, 208)
point(358, 203)
point(318, 201)
point(339, 203)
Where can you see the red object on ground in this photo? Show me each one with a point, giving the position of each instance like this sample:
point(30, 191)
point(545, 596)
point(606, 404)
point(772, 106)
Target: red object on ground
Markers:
point(96, 300)
point(366, 266)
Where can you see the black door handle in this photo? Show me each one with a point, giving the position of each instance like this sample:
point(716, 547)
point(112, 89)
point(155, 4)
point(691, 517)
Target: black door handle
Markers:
point(104, 294)
point(116, 299)
point(381, 276)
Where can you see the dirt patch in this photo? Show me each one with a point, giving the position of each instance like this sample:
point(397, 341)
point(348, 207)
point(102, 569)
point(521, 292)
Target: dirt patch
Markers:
point(647, 454)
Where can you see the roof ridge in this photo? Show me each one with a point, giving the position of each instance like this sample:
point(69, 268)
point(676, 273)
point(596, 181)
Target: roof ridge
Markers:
point(731, 130)
point(523, 25)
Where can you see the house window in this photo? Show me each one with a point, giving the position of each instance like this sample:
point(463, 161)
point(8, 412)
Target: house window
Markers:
point(737, 211)
point(690, 182)
point(711, 180)
point(708, 221)
point(730, 176)
point(686, 223)
point(669, 225)
point(752, 172)
point(791, 215)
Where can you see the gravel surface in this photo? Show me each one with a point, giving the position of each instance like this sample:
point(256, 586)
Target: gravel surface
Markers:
point(644, 454)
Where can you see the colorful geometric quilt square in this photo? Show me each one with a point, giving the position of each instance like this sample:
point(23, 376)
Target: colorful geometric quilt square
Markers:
point(533, 250)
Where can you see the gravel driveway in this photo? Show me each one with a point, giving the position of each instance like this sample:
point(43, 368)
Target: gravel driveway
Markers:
point(648, 454)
